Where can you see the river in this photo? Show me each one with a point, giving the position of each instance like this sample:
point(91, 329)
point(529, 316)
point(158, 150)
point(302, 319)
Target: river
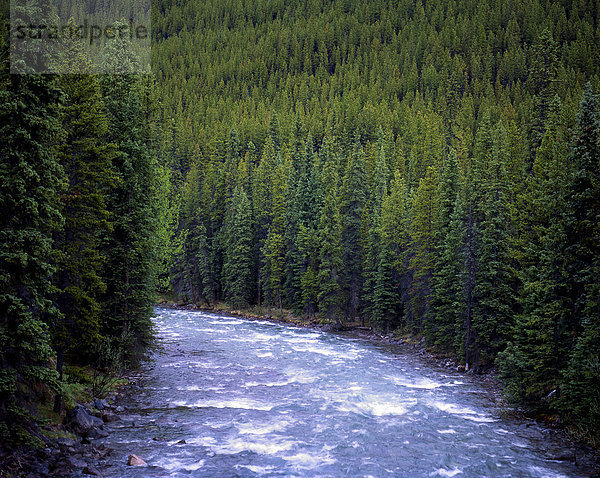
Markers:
point(228, 397)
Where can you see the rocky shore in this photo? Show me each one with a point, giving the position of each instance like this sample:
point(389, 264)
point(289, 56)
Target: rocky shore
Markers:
point(77, 453)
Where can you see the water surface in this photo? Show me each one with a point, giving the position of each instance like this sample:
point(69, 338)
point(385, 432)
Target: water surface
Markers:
point(230, 397)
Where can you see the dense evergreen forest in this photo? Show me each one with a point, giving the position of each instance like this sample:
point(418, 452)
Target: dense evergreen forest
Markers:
point(80, 226)
point(431, 167)
point(427, 167)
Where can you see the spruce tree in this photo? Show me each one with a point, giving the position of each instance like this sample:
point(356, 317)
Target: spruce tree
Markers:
point(542, 79)
point(393, 276)
point(539, 343)
point(274, 247)
point(237, 264)
point(442, 317)
point(329, 277)
point(352, 209)
point(129, 271)
point(492, 314)
point(371, 266)
point(195, 278)
point(262, 203)
point(86, 157)
point(582, 376)
point(424, 223)
point(32, 181)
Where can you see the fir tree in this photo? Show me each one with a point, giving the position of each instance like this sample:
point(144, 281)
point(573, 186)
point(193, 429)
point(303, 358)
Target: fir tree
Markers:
point(32, 181)
point(493, 307)
point(352, 209)
point(237, 265)
point(539, 343)
point(582, 376)
point(129, 271)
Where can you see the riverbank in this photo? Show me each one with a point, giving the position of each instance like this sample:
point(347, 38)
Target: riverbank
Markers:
point(560, 446)
point(69, 440)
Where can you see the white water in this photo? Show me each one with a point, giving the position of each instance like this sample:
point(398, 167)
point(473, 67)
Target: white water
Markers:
point(252, 398)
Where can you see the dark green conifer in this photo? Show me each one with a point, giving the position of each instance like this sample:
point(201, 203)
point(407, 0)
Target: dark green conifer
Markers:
point(129, 271)
point(352, 208)
point(237, 263)
point(30, 187)
point(582, 375)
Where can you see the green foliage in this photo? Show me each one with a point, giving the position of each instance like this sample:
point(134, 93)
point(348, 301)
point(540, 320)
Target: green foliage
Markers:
point(80, 187)
point(31, 184)
point(493, 307)
point(130, 265)
point(86, 158)
point(330, 295)
point(237, 265)
point(540, 342)
point(353, 211)
point(582, 375)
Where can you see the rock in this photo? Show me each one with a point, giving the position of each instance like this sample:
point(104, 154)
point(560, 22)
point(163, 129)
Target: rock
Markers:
point(66, 442)
point(91, 470)
point(97, 433)
point(134, 460)
point(564, 456)
point(76, 462)
point(80, 421)
point(181, 442)
point(109, 417)
point(105, 452)
point(120, 409)
point(61, 471)
point(39, 469)
point(101, 404)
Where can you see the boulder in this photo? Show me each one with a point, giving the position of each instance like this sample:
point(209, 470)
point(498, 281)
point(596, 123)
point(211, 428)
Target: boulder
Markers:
point(76, 462)
point(135, 460)
point(66, 442)
point(101, 404)
point(97, 433)
point(80, 421)
point(91, 470)
point(109, 417)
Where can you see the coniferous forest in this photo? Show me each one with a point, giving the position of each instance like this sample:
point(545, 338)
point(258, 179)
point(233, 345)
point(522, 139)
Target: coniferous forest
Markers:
point(431, 168)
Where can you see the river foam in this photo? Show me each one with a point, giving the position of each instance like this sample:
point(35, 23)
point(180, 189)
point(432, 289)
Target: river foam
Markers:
point(233, 397)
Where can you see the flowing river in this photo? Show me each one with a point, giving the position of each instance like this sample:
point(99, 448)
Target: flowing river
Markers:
point(229, 397)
